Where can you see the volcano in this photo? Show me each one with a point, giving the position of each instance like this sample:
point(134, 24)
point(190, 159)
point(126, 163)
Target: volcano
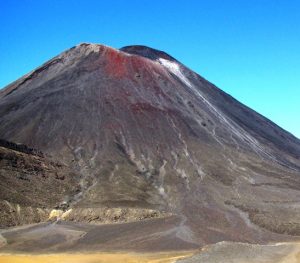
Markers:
point(149, 144)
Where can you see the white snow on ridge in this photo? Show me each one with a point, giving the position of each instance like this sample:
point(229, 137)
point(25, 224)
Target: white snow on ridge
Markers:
point(174, 68)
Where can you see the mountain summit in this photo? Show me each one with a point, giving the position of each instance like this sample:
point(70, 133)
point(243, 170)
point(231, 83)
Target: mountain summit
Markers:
point(147, 137)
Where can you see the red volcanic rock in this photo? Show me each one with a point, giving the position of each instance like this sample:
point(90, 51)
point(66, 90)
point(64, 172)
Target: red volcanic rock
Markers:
point(145, 132)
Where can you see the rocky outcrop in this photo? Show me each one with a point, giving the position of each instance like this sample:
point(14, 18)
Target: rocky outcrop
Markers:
point(106, 215)
point(31, 185)
point(20, 148)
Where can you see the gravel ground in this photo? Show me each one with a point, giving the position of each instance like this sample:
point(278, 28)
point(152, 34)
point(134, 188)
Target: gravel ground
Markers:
point(227, 252)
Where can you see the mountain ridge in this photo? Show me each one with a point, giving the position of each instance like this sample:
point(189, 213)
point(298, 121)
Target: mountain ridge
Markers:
point(138, 50)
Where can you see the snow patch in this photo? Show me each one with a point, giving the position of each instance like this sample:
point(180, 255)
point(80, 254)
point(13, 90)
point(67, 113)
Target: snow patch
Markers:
point(174, 68)
point(162, 173)
point(182, 174)
point(162, 192)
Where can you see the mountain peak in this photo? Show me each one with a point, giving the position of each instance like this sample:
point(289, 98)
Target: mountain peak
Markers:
point(143, 132)
point(147, 52)
point(138, 50)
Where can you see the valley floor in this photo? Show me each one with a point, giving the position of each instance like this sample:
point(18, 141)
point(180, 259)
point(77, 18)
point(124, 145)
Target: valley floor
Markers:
point(225, 252)
point(162, 240)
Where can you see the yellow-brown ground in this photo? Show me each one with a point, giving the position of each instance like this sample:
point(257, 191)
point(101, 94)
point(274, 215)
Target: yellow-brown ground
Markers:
point(94, 258)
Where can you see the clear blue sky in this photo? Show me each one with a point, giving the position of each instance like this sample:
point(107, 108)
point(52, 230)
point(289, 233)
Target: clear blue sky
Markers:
point(249, 48)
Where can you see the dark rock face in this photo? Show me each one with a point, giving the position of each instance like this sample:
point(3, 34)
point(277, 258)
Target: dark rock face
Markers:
point(144, 131)
point(31, 185)
point(20, 148)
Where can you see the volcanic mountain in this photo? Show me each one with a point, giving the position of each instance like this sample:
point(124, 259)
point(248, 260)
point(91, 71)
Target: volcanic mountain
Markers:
point(146, 137)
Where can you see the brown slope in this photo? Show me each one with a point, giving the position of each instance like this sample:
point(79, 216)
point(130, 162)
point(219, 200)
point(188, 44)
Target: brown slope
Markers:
point(31, 185)
point(145, 132)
